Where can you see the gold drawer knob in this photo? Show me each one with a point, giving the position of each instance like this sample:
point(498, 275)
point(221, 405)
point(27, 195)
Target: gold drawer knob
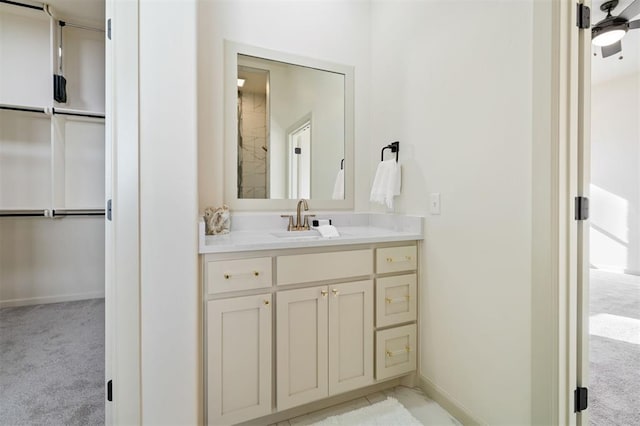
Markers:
point(227, 276)
point(266, 302)
point(323, 292)
point(335, 292)
point(256, 273)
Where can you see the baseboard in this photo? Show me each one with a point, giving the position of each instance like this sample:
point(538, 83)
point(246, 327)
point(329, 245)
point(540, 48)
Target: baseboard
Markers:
point(615, 269)
point(50, 299)
point(447, 402)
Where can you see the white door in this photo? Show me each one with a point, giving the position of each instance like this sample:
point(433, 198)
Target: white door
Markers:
point(300, 162)
point(301, 346)
point(238, 359)
point(350, 336)
point(109, 308)
point(122, 269)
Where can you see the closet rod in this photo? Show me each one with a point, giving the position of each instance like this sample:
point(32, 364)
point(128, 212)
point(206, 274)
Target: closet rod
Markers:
point(19, 108)
point(78, 212)
point(51, 213)
point(28, 6)
point(82, 27)
point(21, 213)
point(77, 114)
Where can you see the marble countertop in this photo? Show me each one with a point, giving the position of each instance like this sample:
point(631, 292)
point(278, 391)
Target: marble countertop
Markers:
point(267, 231)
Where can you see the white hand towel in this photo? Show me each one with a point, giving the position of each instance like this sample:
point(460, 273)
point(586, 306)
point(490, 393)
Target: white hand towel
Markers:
point(328, 231)
point(387, 183)
point(338, 186)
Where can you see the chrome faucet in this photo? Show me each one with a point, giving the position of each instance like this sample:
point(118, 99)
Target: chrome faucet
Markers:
point(299, 225)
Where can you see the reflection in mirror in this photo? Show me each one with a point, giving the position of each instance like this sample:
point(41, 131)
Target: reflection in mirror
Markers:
point(291, 131)
point(253, 132)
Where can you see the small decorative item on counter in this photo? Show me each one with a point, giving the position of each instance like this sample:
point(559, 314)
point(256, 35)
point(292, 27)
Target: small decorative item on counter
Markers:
point(217, 220)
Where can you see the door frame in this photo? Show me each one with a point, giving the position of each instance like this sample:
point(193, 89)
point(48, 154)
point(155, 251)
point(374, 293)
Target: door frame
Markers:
point(559, 318)
point(583, 188)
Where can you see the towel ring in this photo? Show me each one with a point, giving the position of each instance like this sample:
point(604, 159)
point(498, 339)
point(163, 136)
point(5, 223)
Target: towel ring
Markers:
point(394, 147)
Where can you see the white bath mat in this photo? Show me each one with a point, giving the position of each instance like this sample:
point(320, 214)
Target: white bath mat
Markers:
point(385, 413)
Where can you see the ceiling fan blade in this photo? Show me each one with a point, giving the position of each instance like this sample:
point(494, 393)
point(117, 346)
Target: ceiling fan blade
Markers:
point(631, 11)
point(634, 24)
point(612, 49)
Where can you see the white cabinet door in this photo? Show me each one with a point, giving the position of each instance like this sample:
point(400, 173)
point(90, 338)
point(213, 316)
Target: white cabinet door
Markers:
point(301, 346)
point(239, 359)
point(350, 336)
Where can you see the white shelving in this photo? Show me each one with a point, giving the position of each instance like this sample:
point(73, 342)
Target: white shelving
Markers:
point(52, 155)
point(52, 161)
point(25, 160)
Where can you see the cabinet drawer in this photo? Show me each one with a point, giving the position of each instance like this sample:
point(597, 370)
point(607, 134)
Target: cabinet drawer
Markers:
point(233, 275)
point(395, 300)
point(395, 259)
point(395, 351)
point(303, 268)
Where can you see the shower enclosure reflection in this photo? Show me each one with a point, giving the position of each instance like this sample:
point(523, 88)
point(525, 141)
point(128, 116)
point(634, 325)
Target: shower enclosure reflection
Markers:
point(291, 130)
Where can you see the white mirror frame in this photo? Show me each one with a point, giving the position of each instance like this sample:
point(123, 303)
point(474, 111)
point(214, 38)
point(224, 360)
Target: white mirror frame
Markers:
point(231, 51)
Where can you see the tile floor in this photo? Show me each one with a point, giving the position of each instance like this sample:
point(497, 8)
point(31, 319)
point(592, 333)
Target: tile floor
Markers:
point(419, 405)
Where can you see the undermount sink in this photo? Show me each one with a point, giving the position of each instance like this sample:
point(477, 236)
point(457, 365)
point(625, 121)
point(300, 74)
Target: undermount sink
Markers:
point(298, 235)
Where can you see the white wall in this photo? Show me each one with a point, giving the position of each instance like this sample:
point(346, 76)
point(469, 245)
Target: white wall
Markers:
point(615, 173)
point(51, 260)
point(25, 67)
point(170, 290)
point(331, 31)
point(459, 99)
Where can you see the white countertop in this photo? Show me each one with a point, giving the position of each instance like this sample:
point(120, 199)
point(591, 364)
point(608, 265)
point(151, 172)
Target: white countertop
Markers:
point(267, 231)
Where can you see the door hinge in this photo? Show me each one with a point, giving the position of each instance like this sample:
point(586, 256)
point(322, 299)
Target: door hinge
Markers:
point(582, 208)
point(109, 209)
point(109, 391)
point(580, 398)
point(583, 18)
point(109, 28)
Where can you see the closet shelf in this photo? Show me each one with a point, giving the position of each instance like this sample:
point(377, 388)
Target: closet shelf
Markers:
point(50, 110)
point(78, 113)
point(51, 212)
point(25, 108)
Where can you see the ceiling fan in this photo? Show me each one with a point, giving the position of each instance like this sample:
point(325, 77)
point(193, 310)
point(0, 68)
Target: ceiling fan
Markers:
point(608, 33)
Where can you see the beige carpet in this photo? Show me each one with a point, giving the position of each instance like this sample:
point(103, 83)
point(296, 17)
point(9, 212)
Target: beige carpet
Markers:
point(52, 364)
point(614, 392)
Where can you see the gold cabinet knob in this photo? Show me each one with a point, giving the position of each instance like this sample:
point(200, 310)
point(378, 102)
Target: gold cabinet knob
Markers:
point(335, 292)
point(389, 259)
point(256, 273)
point(324, 292)
point(227, 276)
point(266, 302)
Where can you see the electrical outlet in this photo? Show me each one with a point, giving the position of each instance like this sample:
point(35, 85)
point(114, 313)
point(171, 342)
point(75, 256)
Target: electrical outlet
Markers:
point(434, 203)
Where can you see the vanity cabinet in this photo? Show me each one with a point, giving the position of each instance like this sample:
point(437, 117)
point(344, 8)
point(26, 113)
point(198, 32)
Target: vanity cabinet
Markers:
point(287, 327)
point(324, 341)
point(396, 305)
point(239, 358)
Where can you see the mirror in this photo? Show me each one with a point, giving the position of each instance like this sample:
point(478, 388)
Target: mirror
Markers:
point(288, 128)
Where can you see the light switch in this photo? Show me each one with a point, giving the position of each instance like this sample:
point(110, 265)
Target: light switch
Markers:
point(434, 203)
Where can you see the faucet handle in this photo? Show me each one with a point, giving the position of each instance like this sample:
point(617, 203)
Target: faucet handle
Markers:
point(306, 220)
point(290, 226)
